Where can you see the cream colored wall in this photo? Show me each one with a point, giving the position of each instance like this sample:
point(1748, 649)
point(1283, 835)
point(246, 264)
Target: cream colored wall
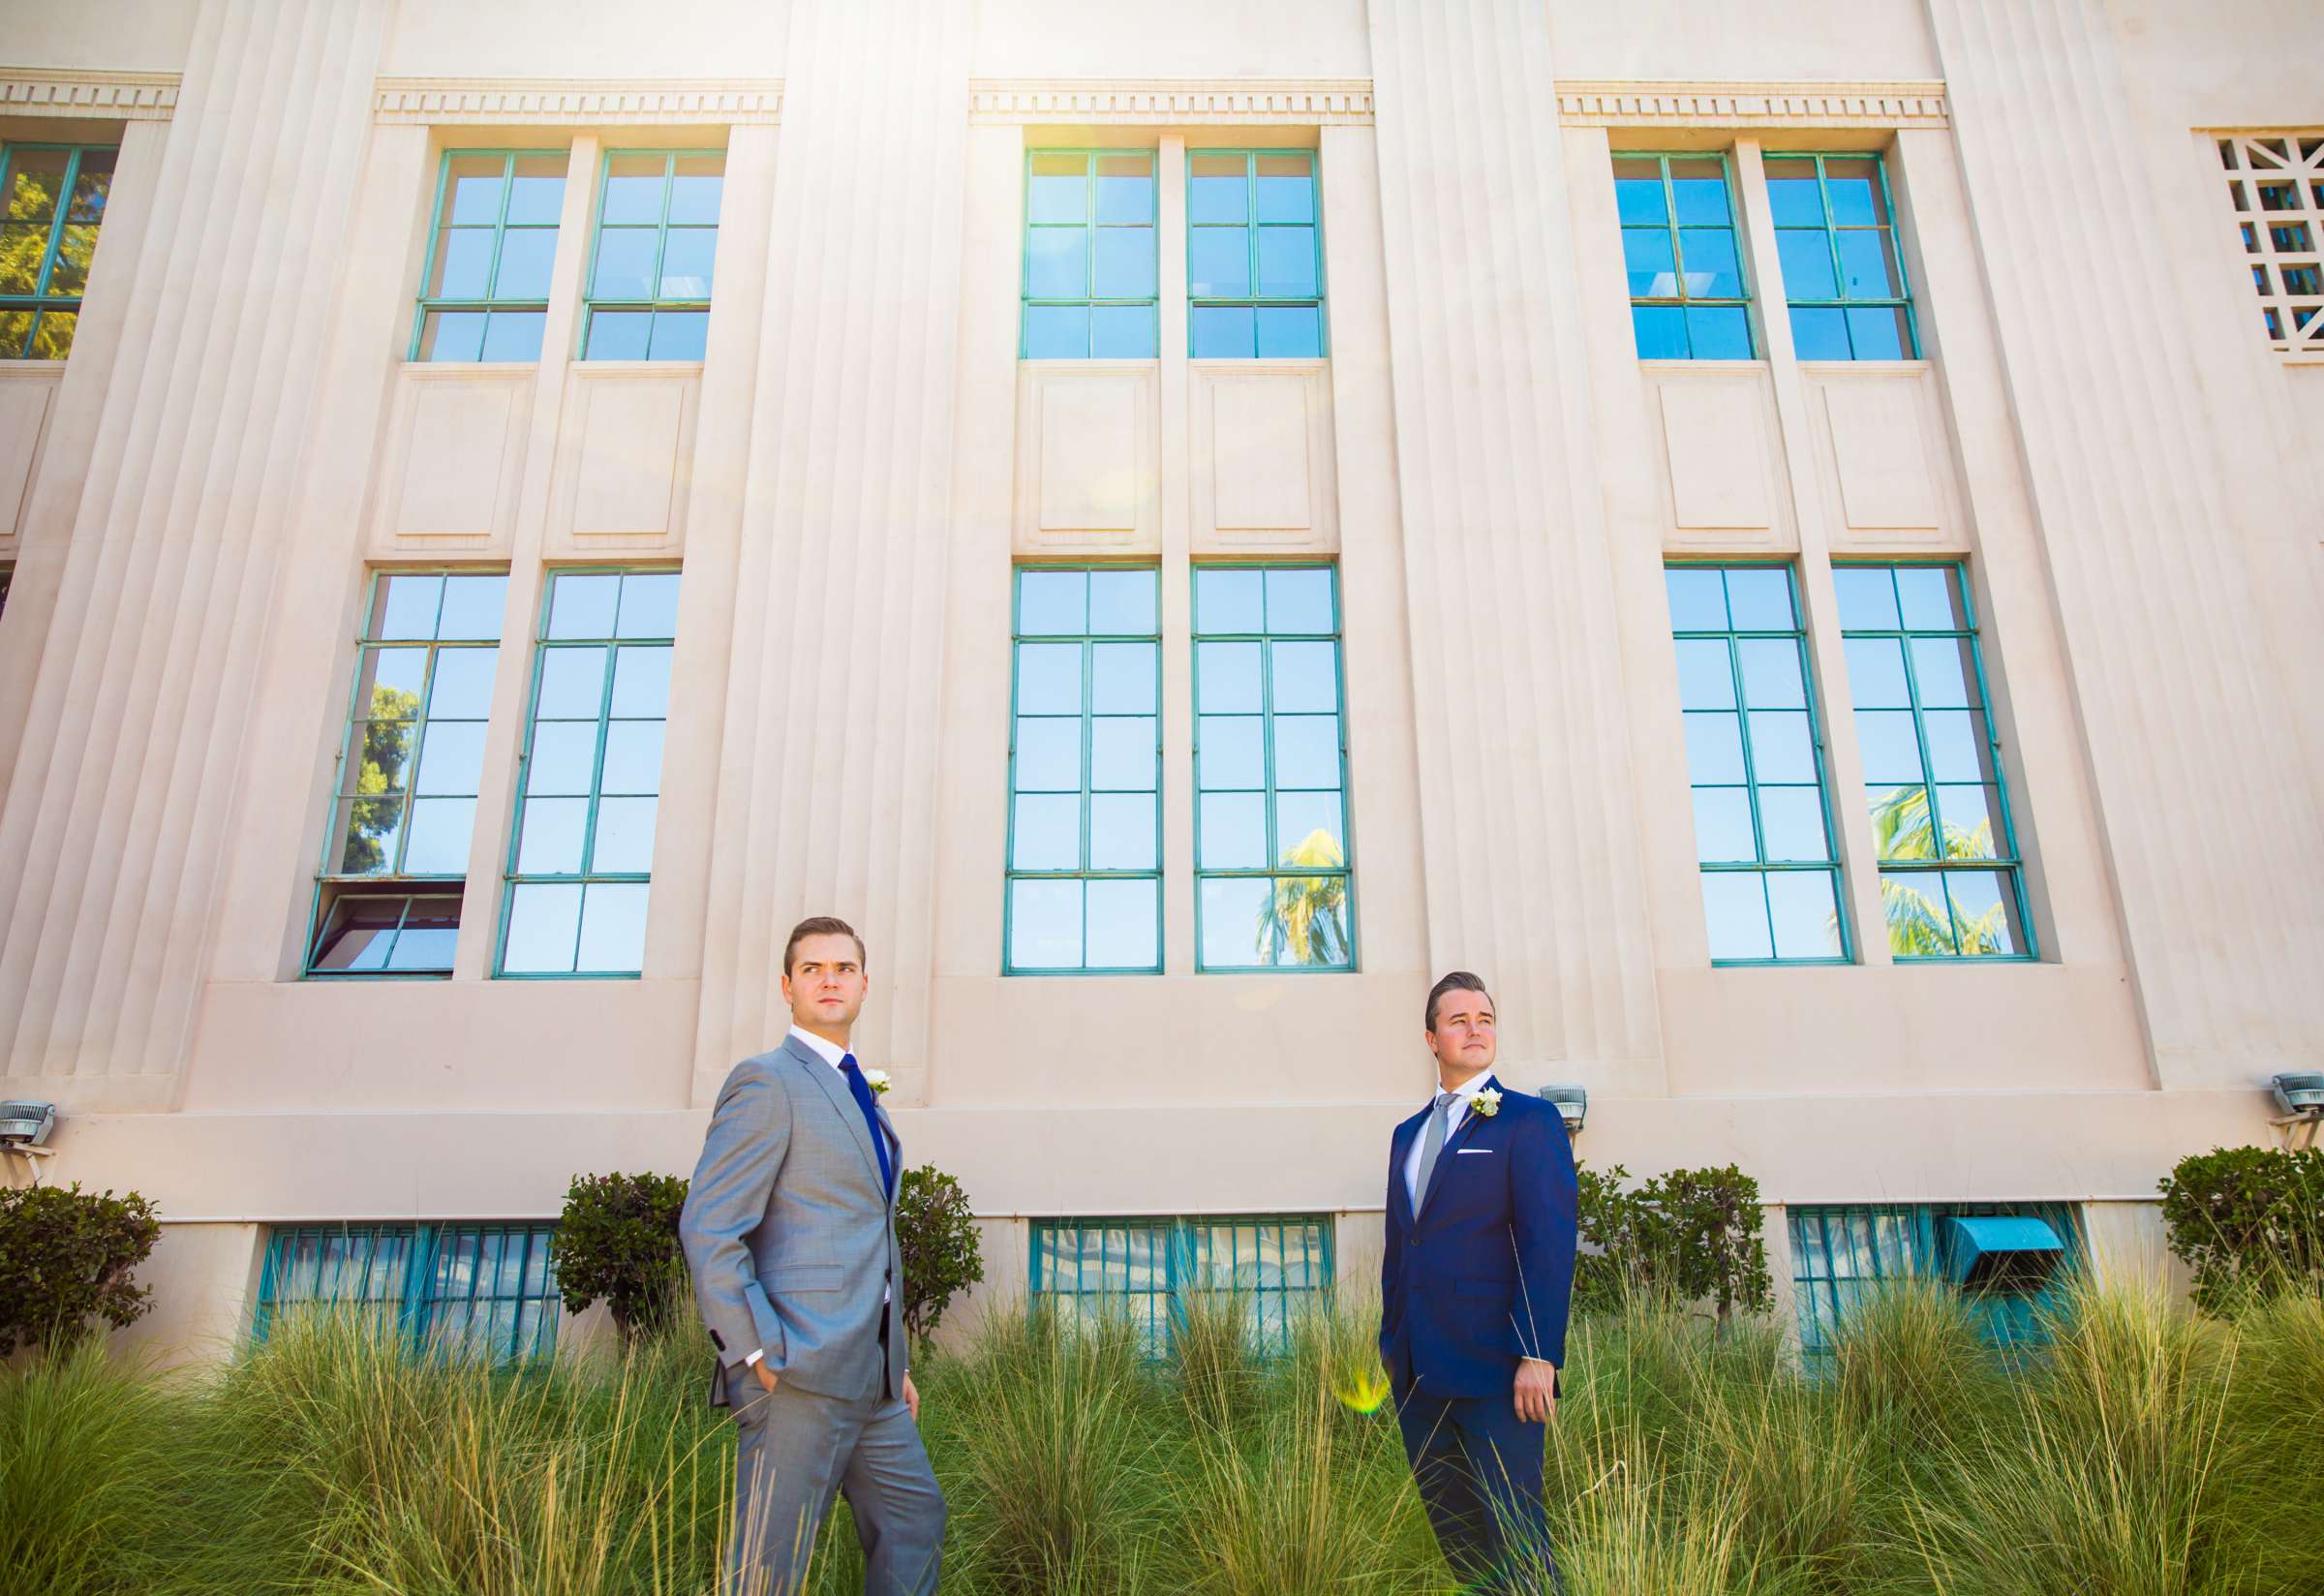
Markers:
point(846, 479)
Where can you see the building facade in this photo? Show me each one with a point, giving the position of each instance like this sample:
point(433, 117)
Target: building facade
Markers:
point(1786, 538)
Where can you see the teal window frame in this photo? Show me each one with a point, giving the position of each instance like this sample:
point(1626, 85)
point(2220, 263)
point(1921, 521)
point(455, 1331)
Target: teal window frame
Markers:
point(1839, 1250)
point(1083, 872)
point(596, 303)
point(338, 889)
point(1734, 639)
point(490, 305)
point(587, 878)
point(1252, 225)
point(2005, 860)
point(1147, 1269)
point(433, 1281)
point(1092, 224)
point(1673, 230)
point(41, 304)
point(1846, 306)
point(1277, 872)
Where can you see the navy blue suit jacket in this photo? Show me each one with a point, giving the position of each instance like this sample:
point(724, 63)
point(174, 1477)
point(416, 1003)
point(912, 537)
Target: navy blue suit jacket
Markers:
point(1481, 1277)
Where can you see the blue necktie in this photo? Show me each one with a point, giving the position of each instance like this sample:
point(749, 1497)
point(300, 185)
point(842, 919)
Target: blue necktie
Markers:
point(861, 1089)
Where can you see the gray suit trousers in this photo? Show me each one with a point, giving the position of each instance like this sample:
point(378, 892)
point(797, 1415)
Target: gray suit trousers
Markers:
point(797, 1449)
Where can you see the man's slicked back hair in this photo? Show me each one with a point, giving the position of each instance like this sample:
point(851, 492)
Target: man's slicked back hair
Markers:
point(820, 924)
point(1459, 980)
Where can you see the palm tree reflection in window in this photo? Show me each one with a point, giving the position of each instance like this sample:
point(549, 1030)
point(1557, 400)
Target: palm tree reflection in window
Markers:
point(1311, 912)
point(1925, 924)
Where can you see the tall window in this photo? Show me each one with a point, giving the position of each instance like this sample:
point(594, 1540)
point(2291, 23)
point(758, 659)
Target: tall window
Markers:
point(1084, 872)
point(1273, 888)
point(55, 197)
point(2276, 182)
point(657, 241)
point(1949, 873)
point(1687, 293)
point(1835, 236)
point(1151, 1270)
point(1089, 278)
point(479, 1290)
point(406, 804)
point(582, 858)
point(1254, 254)
point(1842, 1253)
point(1755, 761)
point(486, 294)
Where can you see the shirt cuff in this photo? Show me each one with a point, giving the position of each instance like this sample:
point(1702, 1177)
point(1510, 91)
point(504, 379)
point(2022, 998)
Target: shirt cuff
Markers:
point(756, 1353)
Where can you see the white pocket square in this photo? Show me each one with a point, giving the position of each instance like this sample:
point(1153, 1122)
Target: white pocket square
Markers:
point(1463, 1153)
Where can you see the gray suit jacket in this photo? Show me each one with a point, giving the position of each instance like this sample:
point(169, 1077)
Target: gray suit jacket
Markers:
point(790, 1238)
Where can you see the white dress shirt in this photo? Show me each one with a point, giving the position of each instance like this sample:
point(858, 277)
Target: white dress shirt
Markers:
point(1464, 1094)
point(834, 1055)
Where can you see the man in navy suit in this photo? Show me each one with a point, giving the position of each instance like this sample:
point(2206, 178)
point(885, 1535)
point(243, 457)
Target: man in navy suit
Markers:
point(1474, 1284)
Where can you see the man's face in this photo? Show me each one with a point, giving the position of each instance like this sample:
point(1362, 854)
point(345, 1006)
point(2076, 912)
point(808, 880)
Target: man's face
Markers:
point(825, 983)
point(1463, 1040)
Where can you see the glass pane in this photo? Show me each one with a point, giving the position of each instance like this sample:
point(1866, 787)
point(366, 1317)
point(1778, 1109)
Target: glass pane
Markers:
point(1699, 188)
point(678, 335)
point(625, 267)
point(1125, 264)
point(514, 335)
point(1286, 188)
point(1230, 753)
point(1945, 672)
point(1045, 925)
point(1227, 599)
point(1705, 678)
point(371, 832)
point(1122, 678)
point(582, 605)
point(1123, 332)
point(1780, 746)
point(1299, 600)
point(1638, 191)
point(1049, 754)
point(613, 927)
point(1289, 332)
point(52, 335)
point(1900, 821)
point(1125, 188)
point(1919, 923)
point(1056, 264)
point(15, 326)
point(1649, 262)
point(473, 189)
point(76, 247)
point(545, 919)
point(1237, 922)
point(1215, 189)
point(1219, 264)
point(1223, 332)
point(1717, 332)
point(1048, 678)
point(1311, 919)
point(1852, 186)
point(451, 335)
point(1985, 922)
point(462, 264)
point(1890, 749)
point(404, 608)
point(1051, 602)
point(451, 759)
point(632, 757)
point(1807, 919)
point(689, 259)
point(1714, 748)
point(1125, 924)
point(1233, 831)
point(462, 685)
point(648, 605)
point(565, 755)
point(1879, 334)
point(1734, 909)
point(1659, 331)
point(633, 189)
point(1957, 746)
point(1820, 335)
point(1311, 829)
point(1227, 679)
point(620, 335)
point(1712, 270)
point(1121, 831)
point(1307, 750)
point(1698, 597)
point(1771, 673)
point(357, 935)
point(1792, 199)
point(471, 609)
point(1806, 259)
point(1058, 189)
point(536, 193)
point(1759, 600)
point(1931, 595)
point(572, 684)
point(1876, 673)
point(1057, 332)
point(1125, 602)
point(1792, 824)
point(426, 947)
point(1723, 826)
point(1125, 754)
point(1868, 264)
point(1867, 597)
point(526, 255)
point(1287, 263)
point(696, 189)
point(1048, 833)
point(1973, 820)
point(1306, 678)
point(551, 839)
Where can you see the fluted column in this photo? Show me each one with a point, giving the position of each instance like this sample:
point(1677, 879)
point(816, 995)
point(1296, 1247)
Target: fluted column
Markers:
point(118, 808)
point(2208, 794)
point(827, 799)
point(1530, 842)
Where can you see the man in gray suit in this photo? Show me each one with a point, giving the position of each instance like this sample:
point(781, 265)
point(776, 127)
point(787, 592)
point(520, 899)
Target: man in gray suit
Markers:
point(790, 1230)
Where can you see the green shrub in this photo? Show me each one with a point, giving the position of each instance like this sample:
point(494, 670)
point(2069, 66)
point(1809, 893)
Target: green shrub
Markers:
point(617, 1240)
point(66, 1256)
point(2250, 1222)
point(941, 1254)
point(1690, 1235)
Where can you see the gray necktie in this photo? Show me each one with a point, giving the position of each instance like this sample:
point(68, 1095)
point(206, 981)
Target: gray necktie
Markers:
point(1433, 1144)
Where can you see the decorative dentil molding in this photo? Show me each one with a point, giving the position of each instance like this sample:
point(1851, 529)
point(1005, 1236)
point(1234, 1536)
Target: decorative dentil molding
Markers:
point(1613, 104)
point(1171, 101)
point(108, 96)
point(576, 101)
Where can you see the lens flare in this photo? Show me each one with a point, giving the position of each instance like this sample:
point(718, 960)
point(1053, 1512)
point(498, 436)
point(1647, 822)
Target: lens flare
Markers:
point(1364, 1390)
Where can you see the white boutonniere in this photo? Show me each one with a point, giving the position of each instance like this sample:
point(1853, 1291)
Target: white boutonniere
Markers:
point(876, 1080)
point(1487, 1103)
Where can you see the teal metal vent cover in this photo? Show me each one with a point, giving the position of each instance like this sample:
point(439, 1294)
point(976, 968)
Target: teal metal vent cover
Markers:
point(1999, 1252)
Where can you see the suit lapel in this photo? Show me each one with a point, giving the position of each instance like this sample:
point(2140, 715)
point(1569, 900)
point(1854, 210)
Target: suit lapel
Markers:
point(1444, 1156)
point(895, 1147)
point(836, 1089)
point(1400, 1148)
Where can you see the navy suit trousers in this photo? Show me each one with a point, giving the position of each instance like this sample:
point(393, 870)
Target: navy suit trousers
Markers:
point(1478, 1469)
